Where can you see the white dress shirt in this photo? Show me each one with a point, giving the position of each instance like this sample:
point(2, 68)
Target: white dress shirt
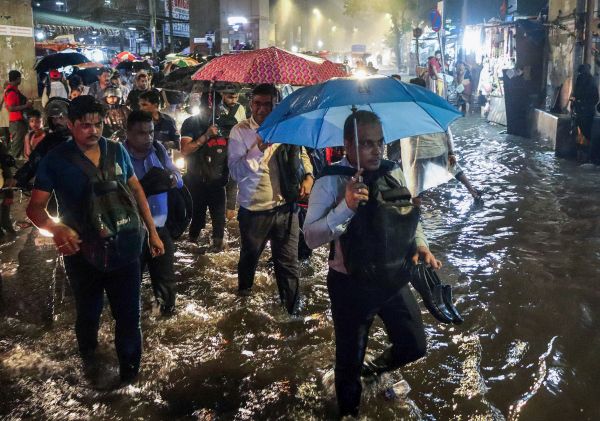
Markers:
point(328, 215)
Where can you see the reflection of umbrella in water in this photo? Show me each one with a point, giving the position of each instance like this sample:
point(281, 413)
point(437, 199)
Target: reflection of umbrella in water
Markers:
point(135, 66)
point(58, 60)
point(314, 116)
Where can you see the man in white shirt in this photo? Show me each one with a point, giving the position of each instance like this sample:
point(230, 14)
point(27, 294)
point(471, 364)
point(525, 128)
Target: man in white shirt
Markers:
point(58, 88)
point(355, 302)
point(265, 214)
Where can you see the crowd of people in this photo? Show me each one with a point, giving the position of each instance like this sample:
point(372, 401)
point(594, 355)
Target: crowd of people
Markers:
point(100, 161)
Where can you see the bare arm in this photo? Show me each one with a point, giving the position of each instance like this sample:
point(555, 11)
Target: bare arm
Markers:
point(65, 238)
point(156, 246)
point(189, 145)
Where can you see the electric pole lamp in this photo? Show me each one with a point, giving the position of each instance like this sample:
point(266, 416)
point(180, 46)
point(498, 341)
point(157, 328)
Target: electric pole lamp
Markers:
point(417, 32)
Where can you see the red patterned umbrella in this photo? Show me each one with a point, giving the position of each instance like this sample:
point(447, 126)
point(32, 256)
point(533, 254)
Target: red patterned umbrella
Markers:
point(269, 65)
point(126, 56)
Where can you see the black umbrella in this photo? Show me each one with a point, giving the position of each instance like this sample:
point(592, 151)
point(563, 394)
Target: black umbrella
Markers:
point(89, 75)
point(135, 66)
point(179, 79)
point(55, 61)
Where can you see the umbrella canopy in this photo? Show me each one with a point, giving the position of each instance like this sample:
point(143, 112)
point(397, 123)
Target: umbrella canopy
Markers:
point(183, 62)
point(90, 65)
point(58, 60)
point(314, 116)
point(269, 65)
point(179, 79)
point(126, 56)
point(135, 66)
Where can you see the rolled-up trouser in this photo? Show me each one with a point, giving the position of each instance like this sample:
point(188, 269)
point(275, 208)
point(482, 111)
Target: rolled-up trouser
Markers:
point(122, 288)
point(354, 305)
point(162, 275)
point(280, 226)
point(18, 130)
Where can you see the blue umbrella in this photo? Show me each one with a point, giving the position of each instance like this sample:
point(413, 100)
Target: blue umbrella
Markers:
point(314, 116)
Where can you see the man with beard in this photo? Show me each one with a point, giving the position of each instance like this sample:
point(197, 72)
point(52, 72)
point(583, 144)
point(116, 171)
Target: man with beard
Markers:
point(141, 85)
point(97, 88)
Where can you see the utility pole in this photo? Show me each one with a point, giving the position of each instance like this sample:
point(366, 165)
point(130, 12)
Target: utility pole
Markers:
point(578, 53)
point(152, 10)
point(170, 26)
point(589, 34)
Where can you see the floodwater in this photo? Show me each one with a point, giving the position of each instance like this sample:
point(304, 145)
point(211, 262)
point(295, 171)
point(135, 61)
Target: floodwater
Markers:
point(524, 265)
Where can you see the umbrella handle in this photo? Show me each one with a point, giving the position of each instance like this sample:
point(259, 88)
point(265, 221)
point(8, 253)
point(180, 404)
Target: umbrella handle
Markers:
point(356, 142)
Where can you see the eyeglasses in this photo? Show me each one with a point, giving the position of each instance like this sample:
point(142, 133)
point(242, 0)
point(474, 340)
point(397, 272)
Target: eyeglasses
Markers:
point(259, 104)
point(370, 144)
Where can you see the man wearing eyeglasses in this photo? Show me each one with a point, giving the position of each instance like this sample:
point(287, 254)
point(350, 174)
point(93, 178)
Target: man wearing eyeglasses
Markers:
point(265, 214)
point(355, 301)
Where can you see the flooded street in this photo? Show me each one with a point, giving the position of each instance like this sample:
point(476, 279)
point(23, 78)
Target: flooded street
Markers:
point(525, 267)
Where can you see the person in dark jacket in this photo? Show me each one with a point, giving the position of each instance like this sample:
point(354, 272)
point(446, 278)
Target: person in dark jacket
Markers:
point(585, 98)
point(56, 112)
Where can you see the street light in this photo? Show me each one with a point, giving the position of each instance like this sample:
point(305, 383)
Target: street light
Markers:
point(316, 12)
point(131, 28)
point(237, 20)
point(320, 44)
point(60, 3)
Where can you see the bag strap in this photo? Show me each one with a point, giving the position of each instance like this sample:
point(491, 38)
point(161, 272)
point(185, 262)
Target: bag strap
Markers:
point(107, 163)
point(161, 154)
point(332, 170)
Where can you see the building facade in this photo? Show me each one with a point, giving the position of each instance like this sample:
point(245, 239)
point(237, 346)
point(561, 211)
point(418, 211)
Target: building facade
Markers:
point(226, 25)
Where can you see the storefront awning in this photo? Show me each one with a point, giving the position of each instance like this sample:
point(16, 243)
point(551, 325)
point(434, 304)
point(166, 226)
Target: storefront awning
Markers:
point(64, 24)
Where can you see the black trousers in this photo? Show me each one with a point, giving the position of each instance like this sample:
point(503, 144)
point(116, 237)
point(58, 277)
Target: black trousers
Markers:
point(280, 226)
point(122, 288)
point(207, 197)
point(353, 308)
point(161, 270)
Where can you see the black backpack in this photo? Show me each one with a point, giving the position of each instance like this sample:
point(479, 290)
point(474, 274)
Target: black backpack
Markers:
point(111, 229)
point(291, 171)
point(180, 203)
point(380, 239)
point(212, 161)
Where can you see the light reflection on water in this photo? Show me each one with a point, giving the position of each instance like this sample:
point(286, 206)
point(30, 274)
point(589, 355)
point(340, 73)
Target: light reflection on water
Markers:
point(524, 266)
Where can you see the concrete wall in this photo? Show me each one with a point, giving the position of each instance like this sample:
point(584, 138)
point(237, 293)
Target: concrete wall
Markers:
point(561, 51)
point(565, 6)
point(211, 15)
point(18, 52)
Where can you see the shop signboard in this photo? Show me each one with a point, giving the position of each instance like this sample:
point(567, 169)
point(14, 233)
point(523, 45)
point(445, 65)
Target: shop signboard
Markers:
point(181, 10)
point(16, 31)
